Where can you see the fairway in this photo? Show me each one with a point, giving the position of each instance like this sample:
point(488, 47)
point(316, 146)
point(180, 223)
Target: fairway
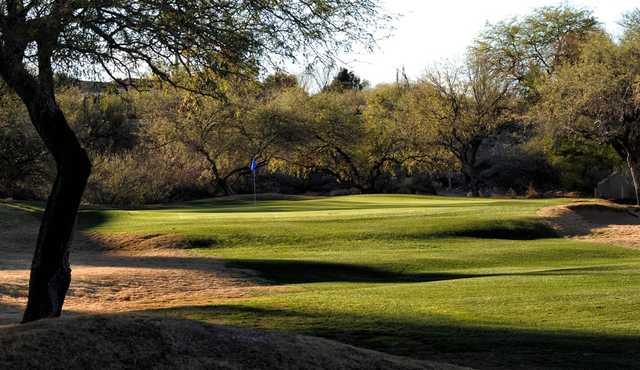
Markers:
point(476, 282)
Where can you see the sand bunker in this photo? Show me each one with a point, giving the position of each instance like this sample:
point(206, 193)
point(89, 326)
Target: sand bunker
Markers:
point(596, 221)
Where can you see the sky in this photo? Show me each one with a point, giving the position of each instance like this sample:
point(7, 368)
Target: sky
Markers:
point(432, 31)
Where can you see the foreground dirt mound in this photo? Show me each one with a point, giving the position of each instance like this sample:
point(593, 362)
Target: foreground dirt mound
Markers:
point(597, 221)
point(106, 342)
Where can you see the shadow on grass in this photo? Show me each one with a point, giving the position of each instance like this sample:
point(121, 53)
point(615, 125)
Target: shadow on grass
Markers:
point(96, 259)
point(88, 219)
point(285, 272)
point(300, 272)
point(436, 338)
point(503, 229)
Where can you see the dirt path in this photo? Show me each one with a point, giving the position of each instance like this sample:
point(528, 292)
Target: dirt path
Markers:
point(601, 221)
point(108, 281)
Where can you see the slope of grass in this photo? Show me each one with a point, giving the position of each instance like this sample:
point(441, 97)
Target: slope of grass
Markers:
point(479, 282)
point(126, 342)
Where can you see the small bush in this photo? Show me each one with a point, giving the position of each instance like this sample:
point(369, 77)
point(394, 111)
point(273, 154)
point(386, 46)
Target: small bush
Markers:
point(139, 177)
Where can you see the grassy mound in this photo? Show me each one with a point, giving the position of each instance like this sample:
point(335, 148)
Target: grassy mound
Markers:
point(105, 342)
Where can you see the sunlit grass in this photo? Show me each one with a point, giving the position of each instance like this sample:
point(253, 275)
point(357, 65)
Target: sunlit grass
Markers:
point(418, 276)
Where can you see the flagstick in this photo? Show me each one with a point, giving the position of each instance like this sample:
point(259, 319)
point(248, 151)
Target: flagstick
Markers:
point(255, 197)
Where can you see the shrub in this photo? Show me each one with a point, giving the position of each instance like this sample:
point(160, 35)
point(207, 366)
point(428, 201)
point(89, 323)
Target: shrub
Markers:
point(138, 177)
point(25, 171)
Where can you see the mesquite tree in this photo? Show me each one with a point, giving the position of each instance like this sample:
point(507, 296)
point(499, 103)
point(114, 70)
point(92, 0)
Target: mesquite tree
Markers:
point(598, 98)
point(461, 106)
point(124, 39)
point(226, 134)
point(531, 48)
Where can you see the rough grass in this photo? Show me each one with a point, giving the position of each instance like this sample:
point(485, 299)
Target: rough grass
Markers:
point(479, 282)
point(125, 342)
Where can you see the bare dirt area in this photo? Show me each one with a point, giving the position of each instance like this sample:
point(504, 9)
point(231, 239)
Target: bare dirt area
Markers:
point(110, 276)
point(598, 221)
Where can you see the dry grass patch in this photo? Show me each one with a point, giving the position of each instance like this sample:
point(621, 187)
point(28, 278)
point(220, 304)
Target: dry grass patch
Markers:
point(118, 282)
point(117, 273)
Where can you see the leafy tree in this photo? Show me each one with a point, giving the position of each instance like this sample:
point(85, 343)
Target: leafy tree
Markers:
point(228, 134)
point(123, 39)
point(395, 144)
point(23, 159)
point(105, 123)
point(362, 139)
point(345, 80)
point(631, 22)
point(333, 128)
point(460, 107)
point(527, 49)
point(598, 98)
point(279, 81)
point(530, 51)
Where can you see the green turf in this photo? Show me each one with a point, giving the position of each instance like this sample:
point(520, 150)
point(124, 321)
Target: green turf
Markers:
point(480, 282)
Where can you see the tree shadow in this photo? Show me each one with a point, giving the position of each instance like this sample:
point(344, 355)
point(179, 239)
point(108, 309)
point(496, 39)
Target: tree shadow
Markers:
point(15, 261)
point(513, 229)
point(89, 219)
point(288, 272)
point(437, 338)
point(300, 272)
point(10, 313)
point(204, 264)
point(12, 290)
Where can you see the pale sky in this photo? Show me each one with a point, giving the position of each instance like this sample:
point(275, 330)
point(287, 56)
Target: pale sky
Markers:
point(433, 31)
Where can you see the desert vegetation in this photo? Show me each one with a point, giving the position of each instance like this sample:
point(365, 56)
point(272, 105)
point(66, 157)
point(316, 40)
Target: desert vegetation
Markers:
point(524, 113)
point(200, 188)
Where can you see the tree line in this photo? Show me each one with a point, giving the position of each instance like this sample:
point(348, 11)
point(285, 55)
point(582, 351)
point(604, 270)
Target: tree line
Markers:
point(529, 107)
point(549, 101)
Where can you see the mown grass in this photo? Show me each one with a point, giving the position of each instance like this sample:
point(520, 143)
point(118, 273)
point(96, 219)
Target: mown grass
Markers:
point(480, 282)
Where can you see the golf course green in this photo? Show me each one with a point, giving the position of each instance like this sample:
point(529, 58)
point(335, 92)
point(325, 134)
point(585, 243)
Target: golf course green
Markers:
point(477, 282)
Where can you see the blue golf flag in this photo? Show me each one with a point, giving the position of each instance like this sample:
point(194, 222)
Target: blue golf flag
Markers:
point(254, 165)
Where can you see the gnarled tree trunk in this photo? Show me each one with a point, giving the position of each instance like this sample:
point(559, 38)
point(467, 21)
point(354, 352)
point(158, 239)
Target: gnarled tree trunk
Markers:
point(471, 179)
point(50, 271)
point(633, 170)
point(222, 185)
point(630, 156)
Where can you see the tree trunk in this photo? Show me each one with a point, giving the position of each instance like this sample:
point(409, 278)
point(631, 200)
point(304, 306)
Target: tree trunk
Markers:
point(475, 187)
point(221, 184)
point(50, 271)
point(471, 180)
point(633, 170)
